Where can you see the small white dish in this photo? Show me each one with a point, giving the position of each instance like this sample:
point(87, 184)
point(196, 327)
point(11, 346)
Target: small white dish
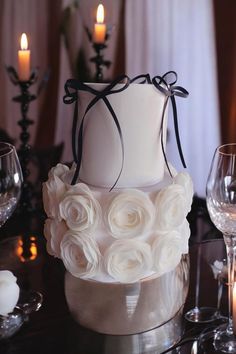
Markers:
point(28, 303)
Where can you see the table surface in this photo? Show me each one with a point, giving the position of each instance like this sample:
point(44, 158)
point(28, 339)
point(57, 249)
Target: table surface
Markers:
point(51, 329)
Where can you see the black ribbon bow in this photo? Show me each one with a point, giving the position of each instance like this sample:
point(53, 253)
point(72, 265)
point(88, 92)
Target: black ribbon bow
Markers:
point(72, 86)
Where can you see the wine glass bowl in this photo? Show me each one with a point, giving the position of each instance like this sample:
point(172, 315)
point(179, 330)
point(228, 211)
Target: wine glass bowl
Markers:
point(221, 204)
point(221, 189)
point(210, 263)
point(10, 181)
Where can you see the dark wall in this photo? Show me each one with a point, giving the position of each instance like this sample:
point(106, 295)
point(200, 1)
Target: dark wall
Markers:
point(225, 24)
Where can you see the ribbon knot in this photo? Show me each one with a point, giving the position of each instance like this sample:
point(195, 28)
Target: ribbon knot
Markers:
point(70, 96)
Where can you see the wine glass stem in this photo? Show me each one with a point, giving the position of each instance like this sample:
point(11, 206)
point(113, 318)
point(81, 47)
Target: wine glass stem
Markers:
point(230, 242)
point(219, 293)
point(198, 275)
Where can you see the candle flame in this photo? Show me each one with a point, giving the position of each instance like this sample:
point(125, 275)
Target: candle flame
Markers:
point(100, 13)
point(24, 42)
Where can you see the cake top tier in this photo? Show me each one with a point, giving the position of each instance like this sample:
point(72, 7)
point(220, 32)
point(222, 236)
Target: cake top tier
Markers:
point(121, 131)
point(139, 112)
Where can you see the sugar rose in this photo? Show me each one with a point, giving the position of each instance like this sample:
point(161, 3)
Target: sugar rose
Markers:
point(184, 179)
point(129, 214)
point(65, 173)
point(80, 254)
point(184, 232)
point(53, 191)
point(127, 261)
point(9, 292)
point(166, 252)
point(171, 207)
point(54, 231)
point(59, 171)
point(80, 210)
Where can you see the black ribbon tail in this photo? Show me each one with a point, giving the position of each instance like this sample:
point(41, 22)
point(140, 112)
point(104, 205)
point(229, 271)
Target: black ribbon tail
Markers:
point(74, 128)
point(177, 130)
point(79, 152)
point(121, 139)
point(162, 137)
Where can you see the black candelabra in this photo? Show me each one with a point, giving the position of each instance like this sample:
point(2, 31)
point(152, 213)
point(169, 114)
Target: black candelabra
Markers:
point(24, 151)
point(98, 59)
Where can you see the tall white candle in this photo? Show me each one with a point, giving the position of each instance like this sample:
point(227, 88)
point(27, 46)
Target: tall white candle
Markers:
point(99, 27)
point(234, 308)
point(24, 59)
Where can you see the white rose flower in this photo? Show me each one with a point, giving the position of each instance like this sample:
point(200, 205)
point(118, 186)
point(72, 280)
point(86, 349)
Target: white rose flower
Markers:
point(166, 252)
point(68, 175)
point(130, 214)
point(9, 292)
point(171, 207)
point(80, 209)
point(184, 231)
point(53, 192)
point(79, 189)
point(54, 231)
point(184, 179)
point(63, 172)
point(80, 254)
point(59, 170)
point(127, 261)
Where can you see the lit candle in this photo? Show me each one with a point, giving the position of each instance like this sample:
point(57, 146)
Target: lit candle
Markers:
point(99, 27)
point(24, 59)
point(234, 308)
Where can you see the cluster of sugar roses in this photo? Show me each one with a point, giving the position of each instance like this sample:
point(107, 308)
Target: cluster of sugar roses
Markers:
point(74, 216)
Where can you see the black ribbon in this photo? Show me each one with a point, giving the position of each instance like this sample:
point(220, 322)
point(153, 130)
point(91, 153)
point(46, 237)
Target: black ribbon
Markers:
point(72, 86)
point(72, 96)
point(170, 90)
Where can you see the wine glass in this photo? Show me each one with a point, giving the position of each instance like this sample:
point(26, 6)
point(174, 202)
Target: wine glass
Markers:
point(205, 258)
point(221, 204)
point(200, 314)
point(10, 181)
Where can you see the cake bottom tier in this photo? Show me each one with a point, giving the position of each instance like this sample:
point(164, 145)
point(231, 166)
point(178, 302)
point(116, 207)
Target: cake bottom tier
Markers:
point(121, 309)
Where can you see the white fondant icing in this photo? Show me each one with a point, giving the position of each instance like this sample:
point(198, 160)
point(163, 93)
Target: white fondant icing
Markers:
point(128, 308)
point(125, 279)
point(139, 110)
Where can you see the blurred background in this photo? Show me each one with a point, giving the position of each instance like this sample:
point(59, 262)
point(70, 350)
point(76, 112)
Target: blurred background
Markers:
point(195, 38)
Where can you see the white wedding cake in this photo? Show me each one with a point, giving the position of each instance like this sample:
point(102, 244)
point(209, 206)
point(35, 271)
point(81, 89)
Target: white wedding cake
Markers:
point(121, 228)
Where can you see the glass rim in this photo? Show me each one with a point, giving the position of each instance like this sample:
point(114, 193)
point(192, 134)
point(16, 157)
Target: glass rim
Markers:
point(11, 147)
point(221, 147)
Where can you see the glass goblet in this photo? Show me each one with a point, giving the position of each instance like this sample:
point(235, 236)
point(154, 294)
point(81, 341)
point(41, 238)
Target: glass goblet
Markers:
point(221, 204)
point(10, 181)
point(201, 314)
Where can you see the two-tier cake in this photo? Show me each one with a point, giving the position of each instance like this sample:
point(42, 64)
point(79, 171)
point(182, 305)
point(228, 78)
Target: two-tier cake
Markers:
point(117, 217)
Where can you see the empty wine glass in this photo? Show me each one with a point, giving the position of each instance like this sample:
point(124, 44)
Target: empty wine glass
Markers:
point(202, 257)
point(221, 204)
point(10, 181)
point(200, 314)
